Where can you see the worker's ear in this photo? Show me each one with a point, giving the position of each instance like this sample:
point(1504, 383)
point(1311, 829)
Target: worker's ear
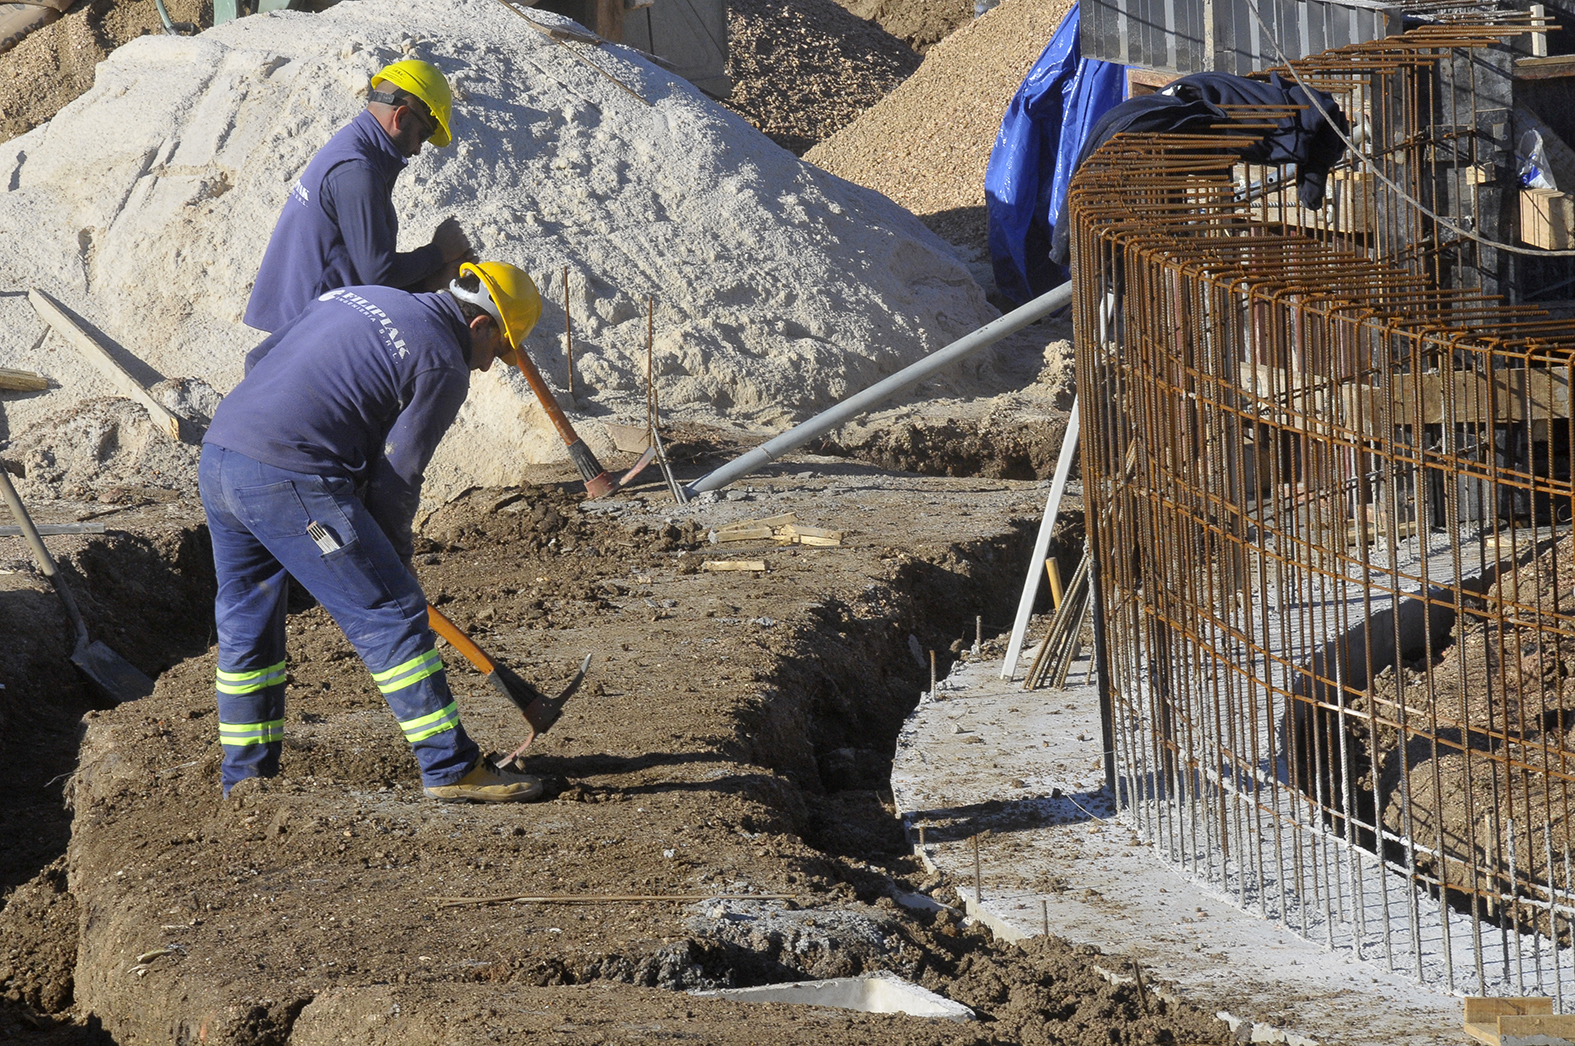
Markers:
point(483, 328)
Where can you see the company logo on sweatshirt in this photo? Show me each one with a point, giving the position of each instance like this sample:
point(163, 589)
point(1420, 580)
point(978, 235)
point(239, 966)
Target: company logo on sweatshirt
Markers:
point(385, 326)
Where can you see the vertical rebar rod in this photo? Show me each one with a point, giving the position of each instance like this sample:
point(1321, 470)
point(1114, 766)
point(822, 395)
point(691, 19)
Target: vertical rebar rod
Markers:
point(568, 332)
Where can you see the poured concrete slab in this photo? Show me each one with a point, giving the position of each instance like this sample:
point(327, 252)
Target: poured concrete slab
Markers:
point(880, 992)
point(1023, 771)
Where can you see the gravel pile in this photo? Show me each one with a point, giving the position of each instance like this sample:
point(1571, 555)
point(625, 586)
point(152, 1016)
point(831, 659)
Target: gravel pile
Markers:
point(55, 64)
point(926, 144)
point(804, 69)
point(921, 23)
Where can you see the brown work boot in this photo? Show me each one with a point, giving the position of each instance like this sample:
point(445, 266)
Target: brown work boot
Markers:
point(483, 784)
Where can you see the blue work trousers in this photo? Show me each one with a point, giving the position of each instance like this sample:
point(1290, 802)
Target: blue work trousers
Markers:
point(258, 516)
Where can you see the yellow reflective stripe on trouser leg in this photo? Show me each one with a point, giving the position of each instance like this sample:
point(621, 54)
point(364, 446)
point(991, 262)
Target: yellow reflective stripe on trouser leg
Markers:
point(239, 735)
point(248, 682)
point(412, 671)
point(445, 718)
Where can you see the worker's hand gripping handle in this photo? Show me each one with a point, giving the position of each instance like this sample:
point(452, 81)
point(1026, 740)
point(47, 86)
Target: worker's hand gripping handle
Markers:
point(461, 642)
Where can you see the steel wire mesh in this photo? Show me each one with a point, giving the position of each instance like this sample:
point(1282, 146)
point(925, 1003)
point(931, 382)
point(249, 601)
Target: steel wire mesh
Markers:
point(1329, 493)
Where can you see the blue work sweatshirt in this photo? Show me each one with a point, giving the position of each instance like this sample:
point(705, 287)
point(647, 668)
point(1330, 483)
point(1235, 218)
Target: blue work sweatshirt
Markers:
point(338, 228)
point(362, 384)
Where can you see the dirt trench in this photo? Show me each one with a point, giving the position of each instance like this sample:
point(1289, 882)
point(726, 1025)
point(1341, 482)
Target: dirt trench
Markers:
point(733, 741)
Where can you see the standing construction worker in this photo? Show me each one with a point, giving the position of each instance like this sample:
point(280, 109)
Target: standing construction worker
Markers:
point(354, 392)
point(338, 227)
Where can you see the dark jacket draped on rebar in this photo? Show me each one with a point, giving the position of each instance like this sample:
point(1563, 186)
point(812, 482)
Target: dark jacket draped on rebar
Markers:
point(1193, 103)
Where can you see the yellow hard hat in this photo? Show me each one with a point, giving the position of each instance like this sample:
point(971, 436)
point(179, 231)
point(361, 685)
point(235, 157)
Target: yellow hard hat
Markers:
point(515, 302)
point(423, 80)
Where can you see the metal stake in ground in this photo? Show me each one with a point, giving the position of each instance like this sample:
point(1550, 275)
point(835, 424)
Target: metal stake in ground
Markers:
point(978, 877)
point(568, 332)
point(652, 411)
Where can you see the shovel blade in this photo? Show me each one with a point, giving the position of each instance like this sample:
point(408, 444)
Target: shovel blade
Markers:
point(117, 678)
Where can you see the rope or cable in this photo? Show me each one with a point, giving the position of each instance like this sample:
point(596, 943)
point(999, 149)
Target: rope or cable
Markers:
point(1368, 164)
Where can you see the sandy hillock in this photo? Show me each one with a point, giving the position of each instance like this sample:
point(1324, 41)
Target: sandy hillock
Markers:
point(146, 203)
point(927, 143)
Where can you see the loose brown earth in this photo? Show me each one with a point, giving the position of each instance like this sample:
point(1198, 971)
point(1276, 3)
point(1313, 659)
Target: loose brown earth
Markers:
point(921, 23)
point(1499, 690)
point(733, 738)
point(804, 69)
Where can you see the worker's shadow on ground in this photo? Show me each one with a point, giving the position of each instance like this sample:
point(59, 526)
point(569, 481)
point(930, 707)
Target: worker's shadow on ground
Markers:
point(1000, 816)
point(764, 786)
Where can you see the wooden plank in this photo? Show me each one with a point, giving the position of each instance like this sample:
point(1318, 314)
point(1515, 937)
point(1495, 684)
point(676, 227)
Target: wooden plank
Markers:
point(50, 312)
point(9, 531)
point(810, 536)
point(608, 16)
point(733, 564)
point(1547, 218)
point(780, 520)
point(1482, 1014)
point(1487, 1033)
point(1518, 395)
point(1486, 1009)
point(813, 532)
point(14, 380)
point(742, 534)
point(1553, 67)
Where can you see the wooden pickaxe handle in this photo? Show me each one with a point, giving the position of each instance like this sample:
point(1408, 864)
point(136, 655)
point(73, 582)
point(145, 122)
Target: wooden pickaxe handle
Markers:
point(460, 641)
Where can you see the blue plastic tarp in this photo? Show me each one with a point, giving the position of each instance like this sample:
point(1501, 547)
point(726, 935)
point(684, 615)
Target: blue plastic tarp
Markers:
point(1060, 99)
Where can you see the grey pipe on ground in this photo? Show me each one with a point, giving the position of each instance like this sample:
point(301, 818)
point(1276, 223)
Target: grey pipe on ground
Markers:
point(883, 390)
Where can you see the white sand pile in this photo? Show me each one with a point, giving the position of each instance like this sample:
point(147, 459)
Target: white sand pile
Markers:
point(146, 203)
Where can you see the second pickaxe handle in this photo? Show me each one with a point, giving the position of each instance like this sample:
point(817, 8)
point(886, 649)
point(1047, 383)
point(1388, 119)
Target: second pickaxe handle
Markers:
point(598, 482)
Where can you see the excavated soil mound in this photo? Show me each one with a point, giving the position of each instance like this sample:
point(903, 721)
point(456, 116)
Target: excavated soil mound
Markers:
point(1491, 688)
point(927, 143)
point(716, 750)
point(804, 69)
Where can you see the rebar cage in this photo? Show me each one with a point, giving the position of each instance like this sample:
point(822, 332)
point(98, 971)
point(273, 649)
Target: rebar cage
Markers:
point(1327, 472)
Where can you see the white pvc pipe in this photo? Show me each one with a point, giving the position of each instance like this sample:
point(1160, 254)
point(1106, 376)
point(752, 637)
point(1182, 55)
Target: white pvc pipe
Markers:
point(1036, 563)
point(883, 390)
